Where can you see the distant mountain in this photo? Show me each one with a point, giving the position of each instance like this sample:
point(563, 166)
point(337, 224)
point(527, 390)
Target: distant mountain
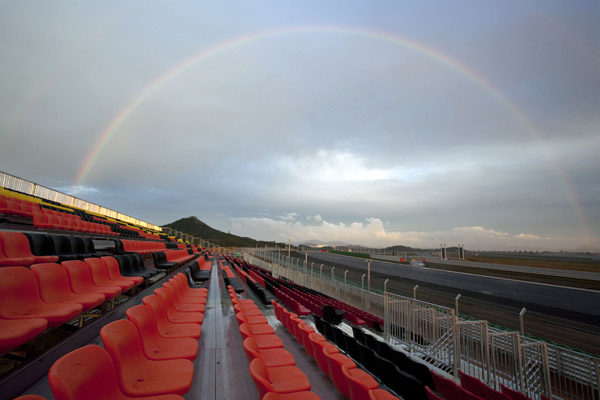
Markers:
point(193, 226)
point(400, 248)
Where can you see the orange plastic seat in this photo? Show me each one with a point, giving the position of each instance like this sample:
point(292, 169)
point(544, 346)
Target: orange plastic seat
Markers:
point(88, 373)
point(157, 347)
point(321, 360)
point(259, 329)
point(169, 297)
point(291, 396)
point(316, 343)
point(15, 332)
point(21, 299)
point(137, 375)
point(80, 278)
point(262, 341)
point(359, 383)
point(277, 379)
point(54, 287)
point(278, 357)
point(335, 361)
point(100, 275)
point(157, 303)
point(252, 320)
point(182, 298)
point(305, 331)
point(143, 315)
point(249, 311)
point(112, 267)
point(181, 280)
point(15, 250)
point(380, 394)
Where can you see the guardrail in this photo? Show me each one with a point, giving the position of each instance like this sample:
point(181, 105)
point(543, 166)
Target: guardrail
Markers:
point(438, 336)
point(12, 182)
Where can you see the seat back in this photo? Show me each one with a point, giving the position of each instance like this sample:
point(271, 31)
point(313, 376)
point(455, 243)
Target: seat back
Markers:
point(98, 269)
point(62, 245)
point(122, 341)
point(77, 245)
point(251, 348)
point(88, 244)
point(112, 267)
point(79, 274)
point(260, 377)
point(41, 244)
point(431, 395)
point(85, 373)
point(18, 290)
point(445, 387)
point(15, 244)
point(513, 394)
point(53, 281)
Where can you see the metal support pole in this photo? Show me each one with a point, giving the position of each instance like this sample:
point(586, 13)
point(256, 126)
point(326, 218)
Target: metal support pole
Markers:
point(369, 276)
point(415, 291)
point(345, 273)
point(456, 299)
point(362, 282)
point(332, 275)
point(522, 321)
point(385, 285)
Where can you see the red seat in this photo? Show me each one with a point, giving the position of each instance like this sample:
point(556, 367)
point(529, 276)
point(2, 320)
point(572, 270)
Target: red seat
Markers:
point(321, 360)
point(100, 275)
point(80, 278)
point(359, 382)
point(335, 361)
point(277, 379)
point(479, 388)
point(252, 320)
point(15, 250)
point(157, 303)
point(182, 298)
point(157, 347)
point(20, 299)
point(513, 394)
point(316, 343)
point(305, 331)
point(169, 297)
point(259, 329)
point(277, 357)
point(54, 285)
point(291, 396)
point(446, 387)
point(181, 280)
point(88, 373)
point(15, 332)
point(112, 267)
point(466, 395)
point(431, 395)
point(137, 375)
point(262, 341)
point(144, 314)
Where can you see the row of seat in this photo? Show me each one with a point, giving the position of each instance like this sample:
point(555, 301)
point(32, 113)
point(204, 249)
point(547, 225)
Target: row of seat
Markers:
point(56, 220)
point(351, 381)
point(201, 268)
point(272, 367)
point(142, 247)
point(260, 291)
point(392, 367)
point(50, 294)
point(229, 277)
point(146, 356)
point(314, 300)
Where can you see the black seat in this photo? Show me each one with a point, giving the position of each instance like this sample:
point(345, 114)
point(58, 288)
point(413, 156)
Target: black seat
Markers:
point(160, 260)
point(40, 244)
point(354, 350)
point(386, 370)
point(332, 315)
point(90, 249)
point(419, 371)
point(368, 359)
point(359, 335)
point(406, 385)
point(319, 324)
point(198, 274)
point(340, 339)
point(138, 265)
point(371, 342)
point(328, 331)
point(62, 248)
point(78, 247)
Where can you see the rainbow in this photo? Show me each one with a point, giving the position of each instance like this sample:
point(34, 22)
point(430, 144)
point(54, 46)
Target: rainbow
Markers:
point(110, 130)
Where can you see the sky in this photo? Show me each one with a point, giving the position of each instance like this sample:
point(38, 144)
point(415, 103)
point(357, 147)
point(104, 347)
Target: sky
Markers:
point(371, 123)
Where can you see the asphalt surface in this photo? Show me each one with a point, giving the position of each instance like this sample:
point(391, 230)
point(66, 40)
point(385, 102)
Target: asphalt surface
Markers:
point(556, 300)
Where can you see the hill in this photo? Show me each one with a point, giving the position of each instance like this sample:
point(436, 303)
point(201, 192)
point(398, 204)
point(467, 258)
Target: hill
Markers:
point(193, 226)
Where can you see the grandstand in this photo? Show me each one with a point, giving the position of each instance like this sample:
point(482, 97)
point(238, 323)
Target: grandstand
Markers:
point(95, 304)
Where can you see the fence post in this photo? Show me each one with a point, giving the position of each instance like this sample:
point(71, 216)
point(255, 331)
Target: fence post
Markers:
point(345, 273)
point(456, 299)
point(362, 286)
point(385, 285)
point(522, 321)
point(415, 291)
